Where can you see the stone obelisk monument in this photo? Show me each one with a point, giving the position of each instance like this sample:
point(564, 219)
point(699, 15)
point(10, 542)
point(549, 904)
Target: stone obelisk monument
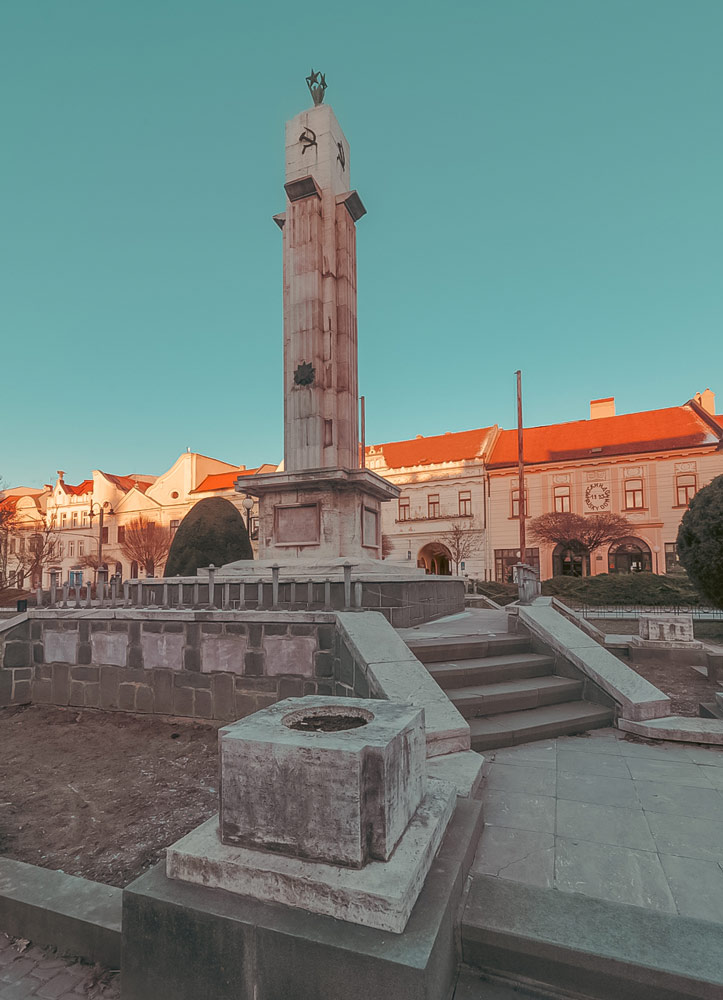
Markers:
point(324, 508)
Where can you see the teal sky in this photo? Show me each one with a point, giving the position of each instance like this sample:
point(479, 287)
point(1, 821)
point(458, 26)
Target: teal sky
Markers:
point(543, 182)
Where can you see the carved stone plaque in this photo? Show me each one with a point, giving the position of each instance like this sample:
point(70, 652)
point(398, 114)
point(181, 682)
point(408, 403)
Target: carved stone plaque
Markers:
point(297, 524)
point(370, 527)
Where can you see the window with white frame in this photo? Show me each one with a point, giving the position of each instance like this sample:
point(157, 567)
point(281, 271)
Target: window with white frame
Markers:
point(685, 489)
point(465, 502)
point(516, 503)
point(562, 499)
point(634, 494)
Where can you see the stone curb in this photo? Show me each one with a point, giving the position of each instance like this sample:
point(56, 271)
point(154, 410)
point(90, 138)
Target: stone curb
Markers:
point(74, 915)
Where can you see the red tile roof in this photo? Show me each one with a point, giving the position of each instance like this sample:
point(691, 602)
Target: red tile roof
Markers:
point(450, 447)
point(127, 483)
point(82, 488)
point(627, 434)
point(226, 480)
point(9, 503)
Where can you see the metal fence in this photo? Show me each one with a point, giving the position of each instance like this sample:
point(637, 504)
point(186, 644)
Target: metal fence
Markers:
point(635, 610)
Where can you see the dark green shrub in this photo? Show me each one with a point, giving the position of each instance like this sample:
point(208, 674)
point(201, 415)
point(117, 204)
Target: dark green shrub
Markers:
point(211, 532)
point(623, 588)
point(700, 541)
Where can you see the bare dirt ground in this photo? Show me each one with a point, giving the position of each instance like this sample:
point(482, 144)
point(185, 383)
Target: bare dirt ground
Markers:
point(101, 794)
point(685, 686)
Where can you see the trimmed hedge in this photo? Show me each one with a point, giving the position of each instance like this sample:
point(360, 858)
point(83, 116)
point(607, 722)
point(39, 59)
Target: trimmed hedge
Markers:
point(213, 531)
point(613, 588)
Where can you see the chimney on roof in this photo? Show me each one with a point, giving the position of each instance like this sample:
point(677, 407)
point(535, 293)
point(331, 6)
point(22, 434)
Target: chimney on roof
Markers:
point(61, 474)
point(602, 408)
point(706, 400)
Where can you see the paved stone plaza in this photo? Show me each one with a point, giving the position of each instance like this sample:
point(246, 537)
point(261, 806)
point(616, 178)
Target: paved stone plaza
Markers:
point(628, 822)
point(37, 973)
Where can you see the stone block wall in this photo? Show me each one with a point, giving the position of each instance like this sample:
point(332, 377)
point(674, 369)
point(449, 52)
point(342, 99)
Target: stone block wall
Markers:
point(203, 665)
point(216, 666)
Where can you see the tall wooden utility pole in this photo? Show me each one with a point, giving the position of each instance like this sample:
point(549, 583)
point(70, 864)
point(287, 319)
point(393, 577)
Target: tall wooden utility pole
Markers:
point(522, 506)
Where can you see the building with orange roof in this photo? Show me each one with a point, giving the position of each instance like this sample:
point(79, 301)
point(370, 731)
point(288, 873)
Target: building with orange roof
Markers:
point(459, 508)
point(646, 466)
point(69, 515)
point(439, 521)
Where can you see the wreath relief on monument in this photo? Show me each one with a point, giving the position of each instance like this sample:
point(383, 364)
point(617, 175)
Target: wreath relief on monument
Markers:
point(597, 496)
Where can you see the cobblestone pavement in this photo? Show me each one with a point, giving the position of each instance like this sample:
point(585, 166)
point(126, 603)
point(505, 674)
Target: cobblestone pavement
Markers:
point(27, 971)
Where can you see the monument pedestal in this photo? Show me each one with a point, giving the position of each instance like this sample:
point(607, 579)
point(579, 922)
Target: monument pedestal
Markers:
point(320, 515)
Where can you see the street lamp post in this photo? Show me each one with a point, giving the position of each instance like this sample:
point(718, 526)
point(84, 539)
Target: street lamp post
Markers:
point(91, 515)
point(248, 504)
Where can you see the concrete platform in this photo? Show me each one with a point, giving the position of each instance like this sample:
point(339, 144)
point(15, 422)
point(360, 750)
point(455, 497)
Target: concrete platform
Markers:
point(380, 895)
point(184, 942)
point(601, 862)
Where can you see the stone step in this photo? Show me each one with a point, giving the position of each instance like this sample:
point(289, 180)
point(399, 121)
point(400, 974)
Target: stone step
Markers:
point(514, 696)
point(466, 647)
point(578, 946)
point(490, 669)
point(511, 728)
point(472, 986)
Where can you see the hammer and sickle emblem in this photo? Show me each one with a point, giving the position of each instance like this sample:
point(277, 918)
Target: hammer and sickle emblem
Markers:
point(341, 157)
point(307, 139)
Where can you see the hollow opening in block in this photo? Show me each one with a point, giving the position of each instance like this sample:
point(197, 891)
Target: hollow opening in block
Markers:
point(327, 719)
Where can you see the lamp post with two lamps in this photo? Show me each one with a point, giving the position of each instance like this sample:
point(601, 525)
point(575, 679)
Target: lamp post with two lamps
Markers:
point(101, 513)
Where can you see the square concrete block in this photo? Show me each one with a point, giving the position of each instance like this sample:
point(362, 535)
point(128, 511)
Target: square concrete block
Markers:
point(344, 797)
point(223, 653)
point(162, 649)
point(109, 648)
point(61, 647)
point(289, 655)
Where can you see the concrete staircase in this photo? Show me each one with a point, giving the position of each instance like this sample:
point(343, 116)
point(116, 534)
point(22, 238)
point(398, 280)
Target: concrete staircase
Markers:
point(508, 693)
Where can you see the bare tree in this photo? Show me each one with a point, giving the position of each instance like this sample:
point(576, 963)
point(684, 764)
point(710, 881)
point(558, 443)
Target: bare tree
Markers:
point(387, 546)
point(462, 543)
point(578, 534)
point(146, 543)
point(38, 546)
point(8, 525)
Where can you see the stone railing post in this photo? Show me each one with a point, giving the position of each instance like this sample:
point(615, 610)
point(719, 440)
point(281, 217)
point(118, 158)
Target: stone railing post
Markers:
point(275, 586)
point(39, 597)
point(357, 593)
point(66, 589)
point(126, 594)
point(260, 594)
point(327, 594)
point(528, 583)
point(53, 587)
point(88, 596)
point(212, 586)
point(347, 585)
point(180, 593)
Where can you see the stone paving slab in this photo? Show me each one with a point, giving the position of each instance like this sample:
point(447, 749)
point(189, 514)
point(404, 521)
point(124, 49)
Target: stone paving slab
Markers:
point(28, 971)
point(602, 816)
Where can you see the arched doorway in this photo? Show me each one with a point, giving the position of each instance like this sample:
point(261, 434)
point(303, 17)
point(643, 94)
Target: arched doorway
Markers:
point(565, 562)
point(435, 558)
point(630, 555)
